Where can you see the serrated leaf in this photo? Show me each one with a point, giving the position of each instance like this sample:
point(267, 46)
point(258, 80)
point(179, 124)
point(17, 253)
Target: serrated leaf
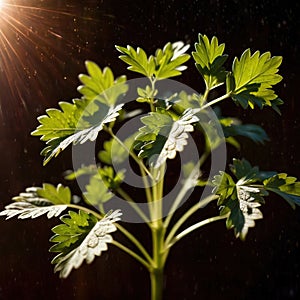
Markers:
point(83, 170)
point(97, 192)
point(57, 195)
point(166, 63)
point(242, 169)
point(209, 60)
point(162, 137)
point(114, 153)
point(80, 239)
point(31, 204)
point(254, 76)
point(76, 135)
point(224, 186)
point(101, 85)
point(243, 211)
point(81, 120)
point(254, 132)
point(285, 186)
point(59, 123)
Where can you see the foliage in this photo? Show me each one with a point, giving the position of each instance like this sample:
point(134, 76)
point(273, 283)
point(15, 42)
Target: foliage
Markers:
point(243, 197)
point(81, 237)
point(165, 129)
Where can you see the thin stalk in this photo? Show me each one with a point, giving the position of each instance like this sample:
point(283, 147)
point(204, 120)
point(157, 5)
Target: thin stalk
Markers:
point(132, 253)
point(179, 197)
point(184, 189)
point(194, 227)
point(153, 81)
point(136, 242)
point(133, 204)
point(190, 212)
point(157, 193)
point(215, 101)
point(131, 153)
point(205, 95)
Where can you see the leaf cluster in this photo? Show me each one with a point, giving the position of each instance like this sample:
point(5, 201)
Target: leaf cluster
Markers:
point(241, 197)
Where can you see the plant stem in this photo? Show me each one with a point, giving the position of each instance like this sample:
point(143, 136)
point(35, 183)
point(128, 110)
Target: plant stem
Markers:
point(131, 253)
point(194, 227)
point(157, 230)
point(133, 204)
point(215, 101)
point(191, 211)
point(185, 188)
point(157, 279)
point(181, 194)
point(136, 242)
point(156, 272)
point(131, 153)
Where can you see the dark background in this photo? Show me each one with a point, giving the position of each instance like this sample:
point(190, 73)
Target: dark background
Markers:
point(211, 263)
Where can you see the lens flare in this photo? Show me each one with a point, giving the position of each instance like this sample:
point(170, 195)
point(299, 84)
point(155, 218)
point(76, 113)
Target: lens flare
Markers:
point(40, 42)
point(2, 3)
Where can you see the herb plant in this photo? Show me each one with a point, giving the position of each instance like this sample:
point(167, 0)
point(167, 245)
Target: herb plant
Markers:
point(169, 122)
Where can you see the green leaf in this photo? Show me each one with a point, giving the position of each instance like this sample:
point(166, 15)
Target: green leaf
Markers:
point(224, 186)
point(101, 85)
point(251, 131)
point(254, 76)
point(81, 120)
point(31, 204)
point(285, 186)
point(209, 60)
point(242, 198)
point(114, 153)
point(243, 211)
point(59, 133)
point(81, 237)
point(59, 123)
point(162, 137)
point(97, 192)
point(169, 61)
point(111, 179)
point(166, 63)
point(84, 170)
point(242, 169)
point(57, 195)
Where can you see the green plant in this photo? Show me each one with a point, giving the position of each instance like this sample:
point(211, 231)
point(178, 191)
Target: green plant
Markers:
point(163, 131)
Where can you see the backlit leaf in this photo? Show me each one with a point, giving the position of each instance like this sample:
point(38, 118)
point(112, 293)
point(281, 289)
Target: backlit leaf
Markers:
point(81, 238)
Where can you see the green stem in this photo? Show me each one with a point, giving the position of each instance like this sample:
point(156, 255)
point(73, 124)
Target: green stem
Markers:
point(131, 153)
point(133, 204)
point(185, 188)
point(157, 279)
point(191, 211)
point(157, 271)
point(205, 95)
point(135, 241)
point(153, 81)
point(215, 101)
point(132, 254)
point(181, 194)
point(157, 230)
point(194, 227)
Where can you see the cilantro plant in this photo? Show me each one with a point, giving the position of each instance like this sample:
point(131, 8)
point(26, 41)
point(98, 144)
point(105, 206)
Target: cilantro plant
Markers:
point(163, 130)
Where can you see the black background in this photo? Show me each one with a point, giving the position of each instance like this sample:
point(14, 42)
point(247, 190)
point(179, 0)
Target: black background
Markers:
point(211, 263)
